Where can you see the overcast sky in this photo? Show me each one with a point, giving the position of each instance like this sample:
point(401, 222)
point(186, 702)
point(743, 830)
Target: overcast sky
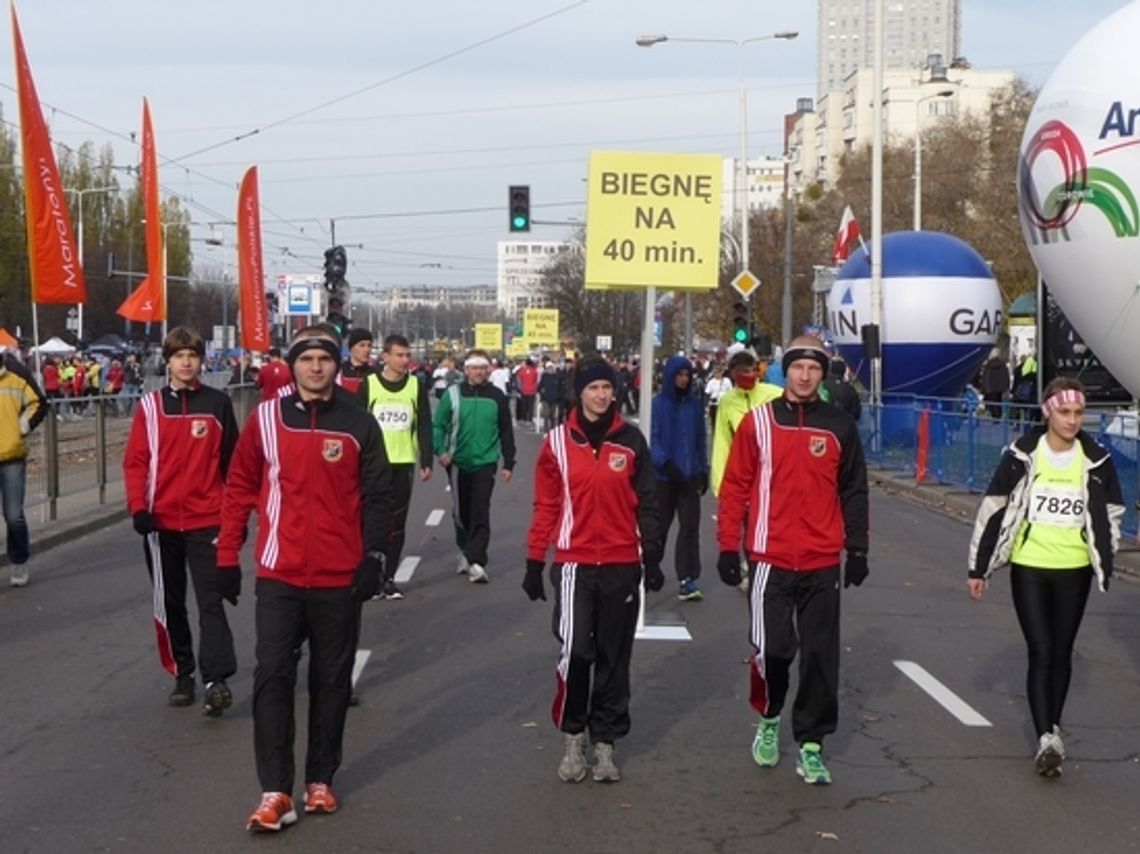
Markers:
point(525, 107)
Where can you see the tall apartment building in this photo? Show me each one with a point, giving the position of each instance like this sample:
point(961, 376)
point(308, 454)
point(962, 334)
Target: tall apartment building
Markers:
point(765, 184)
point(912, 31)
point(520, 266)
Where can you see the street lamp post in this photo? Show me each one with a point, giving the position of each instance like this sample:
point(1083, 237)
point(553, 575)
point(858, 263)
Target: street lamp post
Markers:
point(742, 170)
point(80, 194)
point(945, 93)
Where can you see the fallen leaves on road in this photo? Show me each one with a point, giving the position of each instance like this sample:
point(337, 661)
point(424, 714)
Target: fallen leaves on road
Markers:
point(826, 834)
point(530, 725)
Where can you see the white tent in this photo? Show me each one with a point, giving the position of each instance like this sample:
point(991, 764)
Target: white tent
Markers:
point(55, 347)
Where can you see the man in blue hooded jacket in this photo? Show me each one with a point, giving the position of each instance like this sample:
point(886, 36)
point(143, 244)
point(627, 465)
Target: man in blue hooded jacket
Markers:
point(679, 448)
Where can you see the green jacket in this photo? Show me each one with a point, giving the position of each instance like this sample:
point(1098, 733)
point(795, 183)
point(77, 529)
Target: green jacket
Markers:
point(734, 405)
point(473, 425)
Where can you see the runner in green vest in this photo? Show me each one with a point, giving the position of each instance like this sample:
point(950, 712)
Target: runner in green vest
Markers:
point(399, 403)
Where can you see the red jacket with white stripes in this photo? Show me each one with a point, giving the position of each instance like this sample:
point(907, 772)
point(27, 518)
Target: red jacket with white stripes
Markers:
point(795, 485)
point(177, 454)
point(594, 508)
point(318, 476)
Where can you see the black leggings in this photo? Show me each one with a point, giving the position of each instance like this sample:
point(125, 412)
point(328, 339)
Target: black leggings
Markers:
point(1049, 604)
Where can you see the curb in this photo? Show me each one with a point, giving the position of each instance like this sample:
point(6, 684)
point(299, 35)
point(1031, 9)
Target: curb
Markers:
point(60, 536)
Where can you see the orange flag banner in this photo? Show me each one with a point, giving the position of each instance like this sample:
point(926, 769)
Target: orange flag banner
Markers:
point(251, 283)
point(148, 301)
point(53, 254)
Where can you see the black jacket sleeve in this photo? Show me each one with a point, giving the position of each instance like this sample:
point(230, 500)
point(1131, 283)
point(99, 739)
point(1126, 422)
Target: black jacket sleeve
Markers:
point(229, 433)
point(423, 425)
point(991, 512)
point(648, 516)
point(506, 431)
point(376, 490)
point(853, 497)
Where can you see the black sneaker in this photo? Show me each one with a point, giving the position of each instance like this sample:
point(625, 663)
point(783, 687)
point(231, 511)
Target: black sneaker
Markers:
point(183, 693)
point(391, 591)
point(217, 699)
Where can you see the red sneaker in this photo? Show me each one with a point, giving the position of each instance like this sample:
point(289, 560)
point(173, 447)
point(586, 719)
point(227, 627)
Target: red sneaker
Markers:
point(274, 812)
point(320, 799)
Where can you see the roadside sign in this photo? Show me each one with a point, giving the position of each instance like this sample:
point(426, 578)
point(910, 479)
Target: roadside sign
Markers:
point(541, 326)
point(745, 283)
point(653, 219)
point(605, 343)
point(489, 336)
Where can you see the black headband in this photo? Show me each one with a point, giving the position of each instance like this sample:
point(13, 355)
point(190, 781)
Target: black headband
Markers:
point(794, 353)
point(315, 343)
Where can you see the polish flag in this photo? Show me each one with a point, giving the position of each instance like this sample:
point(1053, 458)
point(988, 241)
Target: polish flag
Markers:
point(848, 231)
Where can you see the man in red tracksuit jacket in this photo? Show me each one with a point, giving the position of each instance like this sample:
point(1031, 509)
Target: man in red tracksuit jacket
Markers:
point(595, 502)
point(312, 463)
point(177, 454)
point(796, 486)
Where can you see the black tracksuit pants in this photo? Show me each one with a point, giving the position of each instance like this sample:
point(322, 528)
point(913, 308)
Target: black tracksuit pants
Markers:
point(403, 476)
point(796, 611)
point(595, 618)
point(682, 500)
point(285, 617)
point(173, 552)
point(471, 510)
point(1050, 604)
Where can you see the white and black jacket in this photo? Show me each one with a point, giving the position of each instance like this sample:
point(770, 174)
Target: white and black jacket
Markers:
point(1006, 504)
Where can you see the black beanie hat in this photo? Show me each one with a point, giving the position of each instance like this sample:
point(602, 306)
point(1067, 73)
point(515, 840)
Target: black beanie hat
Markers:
point(793, 354)
point(358, 334)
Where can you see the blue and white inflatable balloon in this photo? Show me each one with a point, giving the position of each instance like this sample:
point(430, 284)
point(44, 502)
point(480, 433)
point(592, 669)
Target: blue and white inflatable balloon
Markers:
point(941, 313)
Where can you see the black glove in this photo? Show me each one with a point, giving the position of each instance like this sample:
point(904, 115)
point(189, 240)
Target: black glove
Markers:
point(650, 554)
point(674, 473)
point(856, 570)
point(229, 583)
point(654, 577)
point(532, 581)
point(369, 577)
point(728, 566)
point(703, 482)
point(143, 522)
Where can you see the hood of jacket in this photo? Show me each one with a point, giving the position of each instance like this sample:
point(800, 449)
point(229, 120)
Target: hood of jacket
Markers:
point(674, 366)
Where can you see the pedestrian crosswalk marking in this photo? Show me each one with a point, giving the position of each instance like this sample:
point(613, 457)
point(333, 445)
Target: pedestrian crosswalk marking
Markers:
point(667, 633)
point(434, 518)
point(950, 701)
point(406, 569)
point(362, 656)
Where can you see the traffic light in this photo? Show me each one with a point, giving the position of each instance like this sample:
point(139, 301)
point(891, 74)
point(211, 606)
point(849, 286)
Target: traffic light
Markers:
point(519, 205)
point(336, 266)
point(741, 327)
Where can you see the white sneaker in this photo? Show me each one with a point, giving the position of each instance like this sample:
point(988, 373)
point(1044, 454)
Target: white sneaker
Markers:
point(463, 567)
point(19, 576)
point(477, 575)
point(1050, 755)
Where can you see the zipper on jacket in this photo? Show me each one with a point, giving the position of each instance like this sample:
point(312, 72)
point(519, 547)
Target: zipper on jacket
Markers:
point(308, 539)
point(183, 399)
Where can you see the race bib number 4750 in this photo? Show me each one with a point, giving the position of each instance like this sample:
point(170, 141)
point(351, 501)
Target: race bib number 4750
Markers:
point(393, 416)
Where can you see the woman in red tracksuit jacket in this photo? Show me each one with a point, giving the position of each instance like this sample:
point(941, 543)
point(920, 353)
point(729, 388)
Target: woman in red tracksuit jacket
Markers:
point(595, 502)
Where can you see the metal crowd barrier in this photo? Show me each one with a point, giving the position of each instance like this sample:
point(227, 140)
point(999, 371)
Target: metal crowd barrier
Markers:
point(956, 442)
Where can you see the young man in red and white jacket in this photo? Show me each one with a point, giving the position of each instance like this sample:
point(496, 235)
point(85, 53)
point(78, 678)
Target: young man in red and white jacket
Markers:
point(795, 486)
point(177, 455)
point(312, 464)
point(595, 502)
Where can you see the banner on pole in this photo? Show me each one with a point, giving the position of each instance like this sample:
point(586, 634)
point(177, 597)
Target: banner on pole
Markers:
point(540, 326)
point(251, 290)
point(489, 336)
point(148, 302)
point(653, 219)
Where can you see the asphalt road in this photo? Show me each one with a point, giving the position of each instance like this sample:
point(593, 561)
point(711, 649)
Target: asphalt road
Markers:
point(452, 748)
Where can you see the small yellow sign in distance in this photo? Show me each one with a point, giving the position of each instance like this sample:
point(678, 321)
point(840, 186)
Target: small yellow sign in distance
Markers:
point(489, 336)
point(745, 283)
point(653, 219)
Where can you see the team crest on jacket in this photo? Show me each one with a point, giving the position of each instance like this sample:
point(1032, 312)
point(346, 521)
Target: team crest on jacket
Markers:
point(198, 428)
point(333, 450)
point(617, 462)
point(817, 445)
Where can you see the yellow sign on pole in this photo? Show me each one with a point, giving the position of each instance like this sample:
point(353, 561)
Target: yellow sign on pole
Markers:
point(653, 219)
point(489, 336)
point(518, 347)
point(540, 326)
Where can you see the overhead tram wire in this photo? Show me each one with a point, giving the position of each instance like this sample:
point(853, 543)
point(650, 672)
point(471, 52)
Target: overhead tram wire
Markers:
point(398, 76)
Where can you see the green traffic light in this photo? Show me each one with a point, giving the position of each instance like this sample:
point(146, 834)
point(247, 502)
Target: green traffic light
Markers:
point(519, 222)
point(740, 335)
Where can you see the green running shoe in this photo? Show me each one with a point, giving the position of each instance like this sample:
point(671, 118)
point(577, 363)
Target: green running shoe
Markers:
point(766, 744)
point(811, 766)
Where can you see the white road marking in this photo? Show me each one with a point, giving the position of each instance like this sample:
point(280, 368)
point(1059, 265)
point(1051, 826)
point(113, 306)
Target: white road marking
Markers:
point(950, 701)
point(362, 656)
point(434, 518)
point(666, 633)
point(406, 569)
